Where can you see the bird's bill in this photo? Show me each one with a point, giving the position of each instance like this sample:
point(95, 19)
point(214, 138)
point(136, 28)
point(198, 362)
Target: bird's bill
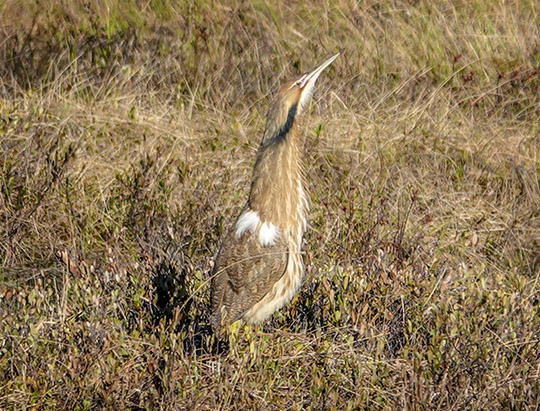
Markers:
point(306, 83)
point(311, 76)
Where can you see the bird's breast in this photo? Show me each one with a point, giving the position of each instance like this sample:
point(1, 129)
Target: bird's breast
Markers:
point(270, 224)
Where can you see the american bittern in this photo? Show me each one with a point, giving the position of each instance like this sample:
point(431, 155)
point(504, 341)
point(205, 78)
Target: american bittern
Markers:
point(259, 266)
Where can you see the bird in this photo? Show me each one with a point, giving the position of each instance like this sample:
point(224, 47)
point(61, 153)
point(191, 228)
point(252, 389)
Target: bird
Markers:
point(259, 265)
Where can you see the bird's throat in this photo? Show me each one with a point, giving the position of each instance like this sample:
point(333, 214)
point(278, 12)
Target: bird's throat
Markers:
point(277, 193)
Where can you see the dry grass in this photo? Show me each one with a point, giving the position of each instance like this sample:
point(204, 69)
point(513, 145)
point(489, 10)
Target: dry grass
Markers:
point(127, 134)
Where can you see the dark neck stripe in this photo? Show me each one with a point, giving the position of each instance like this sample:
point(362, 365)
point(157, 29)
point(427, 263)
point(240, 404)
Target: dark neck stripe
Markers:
point(285, 128)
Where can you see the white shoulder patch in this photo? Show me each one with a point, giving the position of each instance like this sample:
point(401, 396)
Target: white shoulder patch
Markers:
point(250, 221)
point(268, 234)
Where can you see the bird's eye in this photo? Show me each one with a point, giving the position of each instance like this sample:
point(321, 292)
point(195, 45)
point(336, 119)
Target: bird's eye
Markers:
point(298, 82)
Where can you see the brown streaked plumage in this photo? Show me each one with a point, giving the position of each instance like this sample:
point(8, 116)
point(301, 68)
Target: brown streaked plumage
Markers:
point(259, 265)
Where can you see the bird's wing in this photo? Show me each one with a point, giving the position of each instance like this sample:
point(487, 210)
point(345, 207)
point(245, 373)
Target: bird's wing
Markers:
point(244, 272)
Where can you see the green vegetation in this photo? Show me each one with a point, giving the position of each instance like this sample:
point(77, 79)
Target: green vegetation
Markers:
point(127, 134)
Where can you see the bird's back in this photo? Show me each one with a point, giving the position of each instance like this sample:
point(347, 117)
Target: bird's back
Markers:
point(244, 272)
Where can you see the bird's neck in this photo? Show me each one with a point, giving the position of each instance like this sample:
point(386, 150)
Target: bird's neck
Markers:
point(277, 192)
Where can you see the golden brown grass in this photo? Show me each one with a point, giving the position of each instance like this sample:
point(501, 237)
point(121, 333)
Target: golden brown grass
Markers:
point(127, 135)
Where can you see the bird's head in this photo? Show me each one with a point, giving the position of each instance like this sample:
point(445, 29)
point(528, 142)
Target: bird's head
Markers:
point(290, 100)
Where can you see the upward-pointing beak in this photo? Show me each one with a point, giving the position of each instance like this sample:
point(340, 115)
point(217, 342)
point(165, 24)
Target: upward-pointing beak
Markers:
point(306, 83)
point(311, 76)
